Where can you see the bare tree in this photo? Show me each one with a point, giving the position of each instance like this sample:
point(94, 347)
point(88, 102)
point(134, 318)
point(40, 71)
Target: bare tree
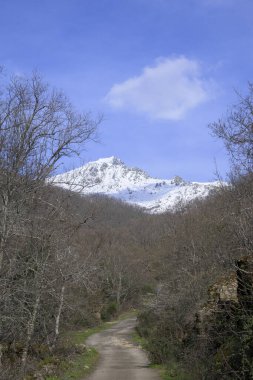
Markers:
point(236, 130)
point(38, 127)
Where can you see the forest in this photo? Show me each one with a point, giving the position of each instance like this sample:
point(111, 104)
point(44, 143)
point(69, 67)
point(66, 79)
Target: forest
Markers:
point(69, 261)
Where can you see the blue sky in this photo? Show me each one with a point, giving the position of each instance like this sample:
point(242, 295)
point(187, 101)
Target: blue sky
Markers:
point(159, 70)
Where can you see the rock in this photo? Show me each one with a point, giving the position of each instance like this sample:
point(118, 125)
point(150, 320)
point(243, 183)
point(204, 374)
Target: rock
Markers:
point(224, 290)
point(80, 348)
point(236, 289)
point(245, 281)
point(221, 296)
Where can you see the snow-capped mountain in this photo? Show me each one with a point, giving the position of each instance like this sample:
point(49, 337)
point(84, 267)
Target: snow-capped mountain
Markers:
point(110, 176)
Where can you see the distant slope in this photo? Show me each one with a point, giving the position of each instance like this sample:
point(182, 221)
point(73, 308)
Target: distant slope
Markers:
point(110, 176)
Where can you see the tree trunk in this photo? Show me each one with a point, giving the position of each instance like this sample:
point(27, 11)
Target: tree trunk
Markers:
point(3, 233)
point(119, 289)
point(30, 330)
point(1, 354)
point(57, 319)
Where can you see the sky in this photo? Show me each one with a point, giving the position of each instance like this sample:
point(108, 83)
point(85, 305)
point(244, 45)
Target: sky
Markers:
point(160, 71)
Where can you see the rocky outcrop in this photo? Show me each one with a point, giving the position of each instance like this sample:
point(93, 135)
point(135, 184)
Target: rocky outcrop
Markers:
point(234, 291)
point(221, 295)
point(224, 290)
point(245, 282)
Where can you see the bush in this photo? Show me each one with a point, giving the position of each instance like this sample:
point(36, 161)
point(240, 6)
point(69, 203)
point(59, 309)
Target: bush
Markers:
point(109, 312)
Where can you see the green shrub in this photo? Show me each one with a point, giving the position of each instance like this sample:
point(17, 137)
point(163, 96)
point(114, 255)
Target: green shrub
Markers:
point(109, 312)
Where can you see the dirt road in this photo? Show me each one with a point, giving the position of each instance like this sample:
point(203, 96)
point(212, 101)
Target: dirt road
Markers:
point(119, 358)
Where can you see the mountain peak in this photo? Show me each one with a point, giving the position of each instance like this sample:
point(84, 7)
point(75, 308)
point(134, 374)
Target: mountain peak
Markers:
point(177, 180)
point(109, 160)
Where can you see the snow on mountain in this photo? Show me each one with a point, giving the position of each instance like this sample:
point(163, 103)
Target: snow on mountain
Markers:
point(110, 176)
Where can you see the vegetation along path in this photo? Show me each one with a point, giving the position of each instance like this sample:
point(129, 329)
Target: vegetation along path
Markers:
point(119, 357)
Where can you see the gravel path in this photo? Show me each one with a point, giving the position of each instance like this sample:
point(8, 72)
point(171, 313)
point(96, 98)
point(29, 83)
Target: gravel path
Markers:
point(120, 359)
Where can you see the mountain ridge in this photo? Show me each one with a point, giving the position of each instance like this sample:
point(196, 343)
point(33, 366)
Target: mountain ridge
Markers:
point(110, 176)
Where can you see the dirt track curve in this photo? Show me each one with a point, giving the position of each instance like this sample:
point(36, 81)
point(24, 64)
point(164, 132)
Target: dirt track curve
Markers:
point(120, 359)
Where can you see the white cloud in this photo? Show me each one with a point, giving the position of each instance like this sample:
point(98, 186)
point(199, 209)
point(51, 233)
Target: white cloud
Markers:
point(166, 90)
